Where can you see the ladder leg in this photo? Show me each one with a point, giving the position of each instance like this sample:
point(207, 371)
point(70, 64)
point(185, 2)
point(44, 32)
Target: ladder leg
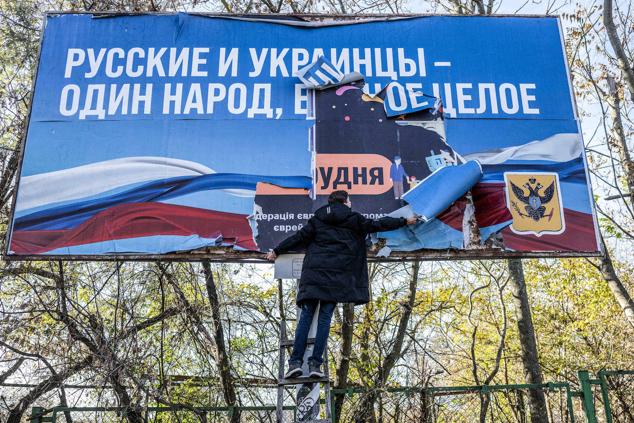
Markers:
point(327, 386)
point(279, 412)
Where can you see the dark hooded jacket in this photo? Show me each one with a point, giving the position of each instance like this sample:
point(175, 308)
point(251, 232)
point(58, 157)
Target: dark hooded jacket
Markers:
point(335, 266)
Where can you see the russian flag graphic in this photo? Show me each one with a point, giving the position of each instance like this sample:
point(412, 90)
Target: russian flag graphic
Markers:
point(561, 154)
point(134, 204)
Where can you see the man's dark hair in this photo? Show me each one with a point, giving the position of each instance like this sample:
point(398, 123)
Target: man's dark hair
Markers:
point(339, 196)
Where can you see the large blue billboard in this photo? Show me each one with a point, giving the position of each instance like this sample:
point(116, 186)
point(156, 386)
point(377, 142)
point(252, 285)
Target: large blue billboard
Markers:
point(153, 134)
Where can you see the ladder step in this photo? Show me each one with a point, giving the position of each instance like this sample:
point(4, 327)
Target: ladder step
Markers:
point(302, 380)
point(290, 342)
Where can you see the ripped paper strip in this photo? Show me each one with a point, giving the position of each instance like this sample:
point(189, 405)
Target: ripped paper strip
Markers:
point(322, 74)
point(400, 100)
point(384, 252)
point(438, 191)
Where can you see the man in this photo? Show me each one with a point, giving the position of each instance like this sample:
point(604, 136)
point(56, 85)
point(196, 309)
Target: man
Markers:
point(397, 172)
point(334, 271)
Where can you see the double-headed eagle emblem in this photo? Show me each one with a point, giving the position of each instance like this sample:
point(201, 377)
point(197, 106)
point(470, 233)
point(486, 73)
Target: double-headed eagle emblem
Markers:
point(534, 201)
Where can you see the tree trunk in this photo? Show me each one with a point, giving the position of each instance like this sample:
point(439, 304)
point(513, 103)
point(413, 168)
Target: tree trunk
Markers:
point(53, 382)
point(224, 364)
point(366, 409)
point(618, 142)
point(530, 360)
point(622, 296)
point(214, 344)
point(347, 330)
point(485, 400)
point(615, 42)
point(99, 346)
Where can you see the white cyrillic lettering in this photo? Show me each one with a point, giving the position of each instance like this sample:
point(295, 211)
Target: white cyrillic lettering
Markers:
point(378, 63)
point(514, 107)
point(154, 61)
point(406, 67)
point(129, 62)
point(277, 62)
point(74, 90)
point(422, 69)
point(137, 98)
point(415, 94)
point(436, 90)
point(526, 97)
point(391, 99)
point(213, 97)
point(366, 61)
point(257, 61)
point(181, 61)
point(227, 61)
point(299, 59)
point(169, 98)
point(301, 99)
point(242, 98)
point(74, 57)
point(317, 53)
point(462, 98)
point(194, 100)
point(99, 109)
point(198, 61)
point(255, 109)
point(447, 103)
point(111, 71)
point(482, 95)
point(343, 61)
point(118, 99)
point(94, 61)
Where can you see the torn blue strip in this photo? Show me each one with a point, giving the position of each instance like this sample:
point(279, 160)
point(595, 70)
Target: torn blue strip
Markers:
point(487, 231)
point(438, 191)
point(322, 74)
point(433, 234)
point(400, 100)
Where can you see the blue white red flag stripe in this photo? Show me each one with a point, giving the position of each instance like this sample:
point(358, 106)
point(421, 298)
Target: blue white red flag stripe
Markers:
point(139, 220)
point(72, 214)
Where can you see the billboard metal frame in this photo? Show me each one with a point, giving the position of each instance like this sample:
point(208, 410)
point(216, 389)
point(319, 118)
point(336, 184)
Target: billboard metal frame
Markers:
point(229, 255)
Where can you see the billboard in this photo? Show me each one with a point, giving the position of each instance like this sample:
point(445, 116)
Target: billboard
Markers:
point(155, 135)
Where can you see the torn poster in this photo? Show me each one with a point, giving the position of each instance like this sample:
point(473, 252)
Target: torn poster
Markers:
point(541, 184)
point(151, 134)
point(446, 229)
point(400, 100)
point(439, 190)
point(322, 74)
point(358, 149)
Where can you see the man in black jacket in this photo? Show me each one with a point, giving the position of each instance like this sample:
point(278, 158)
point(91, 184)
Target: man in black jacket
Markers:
point(335, 270)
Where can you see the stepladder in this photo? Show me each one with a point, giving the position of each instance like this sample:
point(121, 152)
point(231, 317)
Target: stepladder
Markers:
point(301, 399)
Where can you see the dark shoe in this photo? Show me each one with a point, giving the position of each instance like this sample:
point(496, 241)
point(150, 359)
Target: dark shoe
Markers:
point(294, 370)
point(314, 370)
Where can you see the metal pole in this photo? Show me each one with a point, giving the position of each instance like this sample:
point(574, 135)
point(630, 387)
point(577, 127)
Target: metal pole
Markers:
point(569, 404)
point(36, 414)
point(588, 396)
point(606, 396)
